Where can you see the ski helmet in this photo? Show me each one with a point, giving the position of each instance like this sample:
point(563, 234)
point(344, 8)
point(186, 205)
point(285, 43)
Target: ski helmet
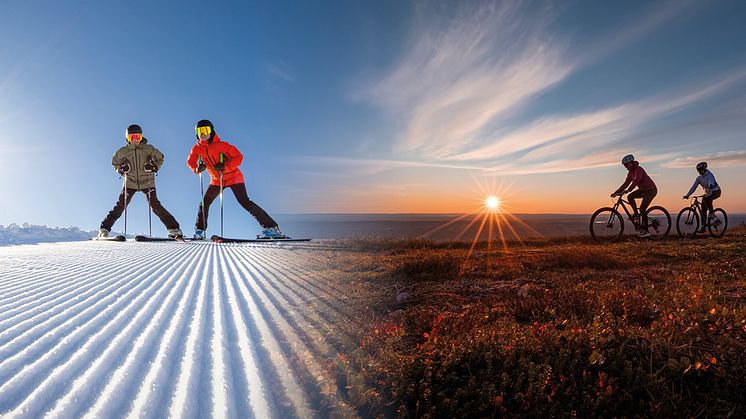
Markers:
point(701, 166)
point(628, 159)
point(132, 129)
point(205, 123)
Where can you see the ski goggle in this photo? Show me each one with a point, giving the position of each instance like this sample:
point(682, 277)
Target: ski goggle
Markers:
point(203, 131)
point(134, 137)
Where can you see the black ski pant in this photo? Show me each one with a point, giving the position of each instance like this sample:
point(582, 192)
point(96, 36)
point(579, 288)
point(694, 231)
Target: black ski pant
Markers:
point(707, 205)
point(168, 220)
point(239, 191)
point(647, 197)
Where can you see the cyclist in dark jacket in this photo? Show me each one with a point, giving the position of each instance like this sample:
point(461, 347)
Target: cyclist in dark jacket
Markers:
point(646, 190)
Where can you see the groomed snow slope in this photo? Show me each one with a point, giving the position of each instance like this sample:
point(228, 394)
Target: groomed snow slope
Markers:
point(93, 329)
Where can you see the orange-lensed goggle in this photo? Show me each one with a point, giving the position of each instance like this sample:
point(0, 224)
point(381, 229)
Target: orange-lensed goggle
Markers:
point(134, 137)
point(203, 131)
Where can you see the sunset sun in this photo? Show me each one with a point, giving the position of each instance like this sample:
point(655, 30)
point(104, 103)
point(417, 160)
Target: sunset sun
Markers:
point(493, 202)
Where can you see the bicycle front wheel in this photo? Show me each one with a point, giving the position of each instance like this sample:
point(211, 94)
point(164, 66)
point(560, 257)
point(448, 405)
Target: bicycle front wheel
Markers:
point(659, 222)
point(719, 224)
point(687, 223)
point(606, 225)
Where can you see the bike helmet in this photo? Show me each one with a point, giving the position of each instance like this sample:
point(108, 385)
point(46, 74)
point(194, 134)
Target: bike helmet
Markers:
point(628, 159)
point(701, 166)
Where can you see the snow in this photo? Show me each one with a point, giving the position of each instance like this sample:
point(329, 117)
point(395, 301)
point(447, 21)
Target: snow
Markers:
point(103, 329)
point(29, 233)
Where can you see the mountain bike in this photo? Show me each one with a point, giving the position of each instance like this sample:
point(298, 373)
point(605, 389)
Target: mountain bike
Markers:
point(607, 223)
point(687, 223)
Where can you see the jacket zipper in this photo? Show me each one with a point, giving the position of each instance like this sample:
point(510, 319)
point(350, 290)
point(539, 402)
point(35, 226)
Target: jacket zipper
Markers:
point(137, 173)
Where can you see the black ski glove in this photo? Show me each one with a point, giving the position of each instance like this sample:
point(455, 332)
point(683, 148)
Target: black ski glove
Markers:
point(151, 168)
point(123, 168)
point(220, 167)
point(201, 168)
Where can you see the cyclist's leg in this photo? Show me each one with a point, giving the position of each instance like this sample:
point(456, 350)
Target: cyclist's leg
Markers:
point(647, 198)
point(707, 206)
point(631, 198)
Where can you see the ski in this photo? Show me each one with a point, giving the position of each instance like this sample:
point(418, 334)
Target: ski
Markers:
point(141, 238)
point(218, 239)
point(110, 239)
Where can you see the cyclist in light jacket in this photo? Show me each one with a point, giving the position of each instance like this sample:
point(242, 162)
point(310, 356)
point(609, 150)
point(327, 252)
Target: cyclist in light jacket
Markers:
point(712, 192)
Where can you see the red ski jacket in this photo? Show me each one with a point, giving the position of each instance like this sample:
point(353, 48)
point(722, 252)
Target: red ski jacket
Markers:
point(637, 177)
point(210, 154)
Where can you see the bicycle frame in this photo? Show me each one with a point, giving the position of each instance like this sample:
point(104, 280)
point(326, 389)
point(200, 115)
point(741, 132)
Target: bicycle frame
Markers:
point(696, 207)
point(621, 202)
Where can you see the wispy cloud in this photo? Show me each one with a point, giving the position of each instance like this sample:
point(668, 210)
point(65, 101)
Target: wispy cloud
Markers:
point(280, 70)
point(723, 159)
point(278, 77)
point(569, 164)
point(455, 81)
point(561, 143)
point(464, 77)
point(610, 128)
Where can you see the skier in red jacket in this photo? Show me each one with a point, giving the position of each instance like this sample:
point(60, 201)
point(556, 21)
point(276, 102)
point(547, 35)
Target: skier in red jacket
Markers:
point(221, 158)
point(646, 189)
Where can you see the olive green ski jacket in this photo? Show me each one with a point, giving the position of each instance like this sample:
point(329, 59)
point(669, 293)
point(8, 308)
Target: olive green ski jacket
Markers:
point(137, 156)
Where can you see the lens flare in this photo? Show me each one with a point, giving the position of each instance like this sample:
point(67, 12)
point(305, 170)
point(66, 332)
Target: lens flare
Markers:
point(493, 202)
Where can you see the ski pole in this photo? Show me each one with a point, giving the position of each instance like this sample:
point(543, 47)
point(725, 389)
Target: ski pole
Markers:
point(221, 197)
point(125, 205)
point(150, 189)
point(202, 194)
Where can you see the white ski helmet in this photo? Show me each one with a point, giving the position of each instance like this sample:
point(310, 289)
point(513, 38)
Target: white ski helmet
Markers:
point(628, 159)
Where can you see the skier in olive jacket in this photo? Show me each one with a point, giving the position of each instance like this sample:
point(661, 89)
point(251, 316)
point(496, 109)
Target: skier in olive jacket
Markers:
point(222, 159)
point(138, 161)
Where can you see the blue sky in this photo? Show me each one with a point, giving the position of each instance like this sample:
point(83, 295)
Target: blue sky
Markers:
point(352, 106)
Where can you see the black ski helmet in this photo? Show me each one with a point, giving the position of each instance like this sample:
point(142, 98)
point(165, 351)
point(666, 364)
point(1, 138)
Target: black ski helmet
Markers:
point(205, 123)
point(132, 129)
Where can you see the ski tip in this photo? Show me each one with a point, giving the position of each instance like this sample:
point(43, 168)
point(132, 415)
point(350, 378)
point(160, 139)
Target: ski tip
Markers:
point(110, 239)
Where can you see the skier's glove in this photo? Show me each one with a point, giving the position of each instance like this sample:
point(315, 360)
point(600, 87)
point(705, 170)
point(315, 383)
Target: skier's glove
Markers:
point(220, 167)
point(123, 168)
point(201, 168)
point(151, 168)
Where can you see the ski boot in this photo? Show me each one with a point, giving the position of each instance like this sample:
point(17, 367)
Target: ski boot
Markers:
point(103, 233)
point(199, 235)
point(175, 233)
point(271, 233)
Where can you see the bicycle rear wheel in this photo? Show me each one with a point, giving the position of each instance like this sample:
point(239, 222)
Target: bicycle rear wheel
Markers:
point(720, 224)
point(687, 223)
point(659, 222)
point(606, 225)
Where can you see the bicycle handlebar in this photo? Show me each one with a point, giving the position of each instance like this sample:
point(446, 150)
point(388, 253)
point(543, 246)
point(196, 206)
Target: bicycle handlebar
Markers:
point(695, 197)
